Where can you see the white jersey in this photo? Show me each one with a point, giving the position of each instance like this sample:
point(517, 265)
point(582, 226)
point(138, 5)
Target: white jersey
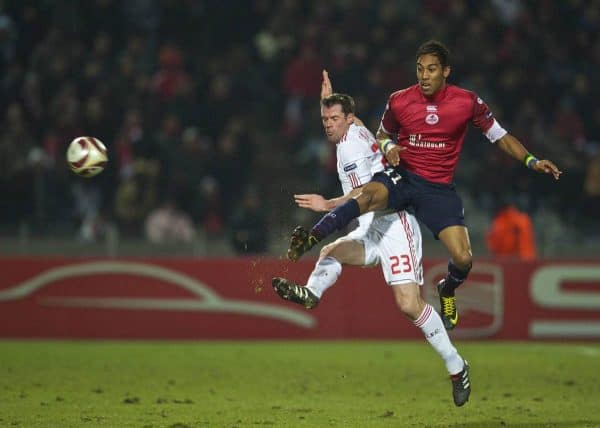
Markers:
point(358, 160)
point(391, 239)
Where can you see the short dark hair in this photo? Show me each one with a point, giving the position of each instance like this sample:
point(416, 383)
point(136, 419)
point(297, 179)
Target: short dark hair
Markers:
point(346, 101)
point(436, 48)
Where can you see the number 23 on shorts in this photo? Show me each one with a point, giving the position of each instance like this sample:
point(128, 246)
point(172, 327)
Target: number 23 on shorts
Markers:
point(400, 264)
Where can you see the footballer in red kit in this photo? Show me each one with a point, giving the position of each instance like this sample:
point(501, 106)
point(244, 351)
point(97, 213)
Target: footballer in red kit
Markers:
point(421, 135)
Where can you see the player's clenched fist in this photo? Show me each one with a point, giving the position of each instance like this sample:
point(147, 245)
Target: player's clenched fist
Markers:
point(393, 154)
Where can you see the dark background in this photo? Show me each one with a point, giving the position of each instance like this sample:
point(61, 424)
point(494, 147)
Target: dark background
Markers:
point(211, 108)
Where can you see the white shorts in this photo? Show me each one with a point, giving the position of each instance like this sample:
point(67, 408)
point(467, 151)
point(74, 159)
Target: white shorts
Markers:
point(395, 242)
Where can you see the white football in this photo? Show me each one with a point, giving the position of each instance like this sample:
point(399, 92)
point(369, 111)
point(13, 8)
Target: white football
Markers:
point(87, 156)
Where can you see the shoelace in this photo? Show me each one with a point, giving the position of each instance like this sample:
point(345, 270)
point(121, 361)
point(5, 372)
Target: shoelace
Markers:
point(448, 303)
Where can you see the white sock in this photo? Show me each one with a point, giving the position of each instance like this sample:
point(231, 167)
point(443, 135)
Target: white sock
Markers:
point(432, 327)
point(324, 275)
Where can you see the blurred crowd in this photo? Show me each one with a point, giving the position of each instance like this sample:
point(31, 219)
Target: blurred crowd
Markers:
point(203, 104)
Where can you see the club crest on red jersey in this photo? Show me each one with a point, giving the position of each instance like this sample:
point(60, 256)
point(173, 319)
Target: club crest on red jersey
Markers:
point(432, 119)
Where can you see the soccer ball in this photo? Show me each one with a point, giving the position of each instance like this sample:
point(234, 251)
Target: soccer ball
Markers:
point(87, 156)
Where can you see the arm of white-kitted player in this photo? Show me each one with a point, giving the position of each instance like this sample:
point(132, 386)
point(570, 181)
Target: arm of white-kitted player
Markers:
point(318, 203)
point(359, 122)
point(327, 90)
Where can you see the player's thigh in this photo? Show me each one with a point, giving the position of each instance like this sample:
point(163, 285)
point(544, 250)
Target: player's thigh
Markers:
point(346, 251)
point(438, 206)
point(372, 197)
point(398, 246)
point(397, 194)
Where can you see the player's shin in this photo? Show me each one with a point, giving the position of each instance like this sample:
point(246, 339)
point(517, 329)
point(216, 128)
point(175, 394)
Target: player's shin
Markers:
point(336, 219)
point(433, 329)
point(324, 275)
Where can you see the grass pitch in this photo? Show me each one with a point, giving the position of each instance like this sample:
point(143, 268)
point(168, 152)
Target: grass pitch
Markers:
point(293, 384)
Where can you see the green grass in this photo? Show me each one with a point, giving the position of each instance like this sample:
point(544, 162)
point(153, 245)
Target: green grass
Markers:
point(289, 384)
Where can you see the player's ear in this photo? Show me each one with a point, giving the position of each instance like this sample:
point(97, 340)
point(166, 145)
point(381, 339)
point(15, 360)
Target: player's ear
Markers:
point(446, 71)
point(350, 118)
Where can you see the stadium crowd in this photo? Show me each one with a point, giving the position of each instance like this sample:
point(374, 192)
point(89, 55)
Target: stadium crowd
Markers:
point(205, 104)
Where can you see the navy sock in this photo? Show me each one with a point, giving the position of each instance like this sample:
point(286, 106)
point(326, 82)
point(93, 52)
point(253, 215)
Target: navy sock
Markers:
point(455, 276)
point(336, 219)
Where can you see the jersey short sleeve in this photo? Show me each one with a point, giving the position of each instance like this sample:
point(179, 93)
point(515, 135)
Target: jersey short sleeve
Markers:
point(483, 118)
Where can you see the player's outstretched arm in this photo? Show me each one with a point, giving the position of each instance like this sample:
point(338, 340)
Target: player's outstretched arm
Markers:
point(318, 203)
point(312, 202)
point(514, 148)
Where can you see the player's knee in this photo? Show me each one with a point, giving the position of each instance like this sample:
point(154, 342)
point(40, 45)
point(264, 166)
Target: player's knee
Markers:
point(463, 260)
point(365, 197)
point(328, 250)
point(408, 304)
point(375, 197)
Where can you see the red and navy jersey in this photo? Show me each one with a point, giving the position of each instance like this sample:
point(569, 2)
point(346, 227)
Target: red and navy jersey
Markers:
point(433, 129)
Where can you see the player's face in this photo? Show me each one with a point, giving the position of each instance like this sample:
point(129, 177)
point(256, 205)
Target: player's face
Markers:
point(430, 74)
point(336, 124)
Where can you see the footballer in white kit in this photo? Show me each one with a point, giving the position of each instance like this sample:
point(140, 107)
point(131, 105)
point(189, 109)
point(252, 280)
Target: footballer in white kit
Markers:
point(392, 239)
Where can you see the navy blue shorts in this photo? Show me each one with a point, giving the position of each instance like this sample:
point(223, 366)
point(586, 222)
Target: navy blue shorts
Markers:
point(435, 205)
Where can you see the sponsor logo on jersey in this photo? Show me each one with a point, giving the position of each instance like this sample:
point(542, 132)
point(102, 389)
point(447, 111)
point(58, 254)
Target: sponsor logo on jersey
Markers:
point(432, 119)
point(431, 109)
point(350, 167)
point(415, 141)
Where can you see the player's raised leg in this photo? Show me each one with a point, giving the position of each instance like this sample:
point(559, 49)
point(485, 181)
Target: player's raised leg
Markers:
point(373, 196)
point(326, 272)
point(456, 240)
